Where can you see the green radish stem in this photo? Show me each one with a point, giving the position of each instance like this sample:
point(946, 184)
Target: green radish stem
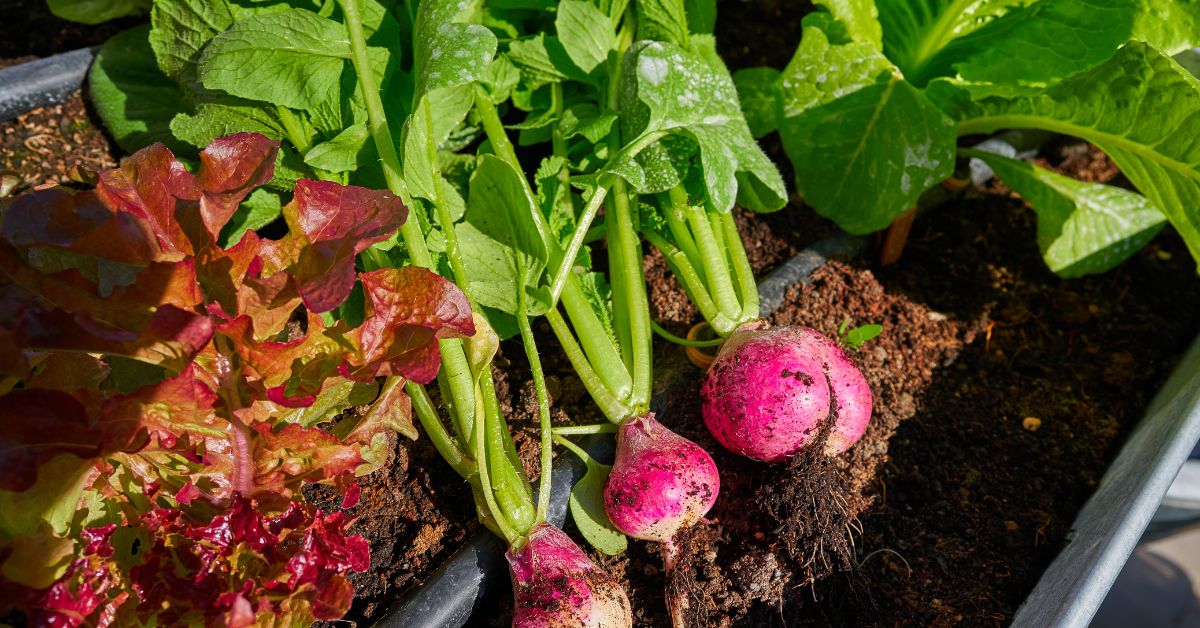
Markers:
point(576, 243)
point(573, 448)
point(613, 407)
point(634, 293)
point(607, 374)
point(585, 430)
point(713, 261)
point(539, 383)
point(595, 234)
point(559, 144)
point(485, 481)
point(442, 441)
point(675, 211)
point(706, 255)
point(747, 286)
point(291, 127)
point(668, 336)
point(492, 443)
point(493, 128)
point(583, 225)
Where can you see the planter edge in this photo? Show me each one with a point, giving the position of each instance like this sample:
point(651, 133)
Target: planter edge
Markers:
point(1072, 588)
point(46, 81)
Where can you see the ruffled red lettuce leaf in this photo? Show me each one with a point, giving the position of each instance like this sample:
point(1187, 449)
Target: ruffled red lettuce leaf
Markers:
point(171, 338)
point(181, 405)
point(78, 221)
point(408, 310)
point(147, 187)
point(180, 372)
point(292, 372)
point(230, 169)
point(337, 222)
point(36, 425)
point(235, 283)
point(150, 208)
point(391, 412)
point(68, 371)
point(210, 568)
point(127, 306)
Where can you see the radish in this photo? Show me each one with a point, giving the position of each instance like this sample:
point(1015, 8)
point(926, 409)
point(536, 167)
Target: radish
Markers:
point(660, 484)
point(771, 389)
point(556, 584)
point(660, 481)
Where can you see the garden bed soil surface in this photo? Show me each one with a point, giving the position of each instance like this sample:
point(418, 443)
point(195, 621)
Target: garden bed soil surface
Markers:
point(1001, 392)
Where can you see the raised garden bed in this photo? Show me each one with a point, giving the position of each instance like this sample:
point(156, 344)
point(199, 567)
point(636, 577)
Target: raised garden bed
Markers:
point(1003, 394)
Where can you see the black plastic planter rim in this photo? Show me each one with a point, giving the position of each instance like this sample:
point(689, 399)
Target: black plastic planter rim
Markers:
point(42, 82)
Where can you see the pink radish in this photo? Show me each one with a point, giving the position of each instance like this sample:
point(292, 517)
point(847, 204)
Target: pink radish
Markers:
point(660, 481)
point(769, 391)
point(555, 584)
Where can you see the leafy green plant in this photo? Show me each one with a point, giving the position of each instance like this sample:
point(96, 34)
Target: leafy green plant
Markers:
point(872, 104)
point(161, 394)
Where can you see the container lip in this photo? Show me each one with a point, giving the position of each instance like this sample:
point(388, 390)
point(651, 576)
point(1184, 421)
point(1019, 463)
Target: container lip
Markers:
point(41, 82)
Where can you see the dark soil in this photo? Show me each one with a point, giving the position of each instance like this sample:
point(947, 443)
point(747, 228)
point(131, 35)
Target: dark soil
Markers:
point(29, 30)
point(415, 512)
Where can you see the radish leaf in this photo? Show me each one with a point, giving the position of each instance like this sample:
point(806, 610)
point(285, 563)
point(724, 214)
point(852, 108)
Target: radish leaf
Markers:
point(1140, 107)
point(587, 511)
point(1083, 228)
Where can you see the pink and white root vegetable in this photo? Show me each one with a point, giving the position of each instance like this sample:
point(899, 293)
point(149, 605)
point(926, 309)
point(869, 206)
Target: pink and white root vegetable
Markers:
point(660, 481)
point(771, 389)
point(556, 585)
